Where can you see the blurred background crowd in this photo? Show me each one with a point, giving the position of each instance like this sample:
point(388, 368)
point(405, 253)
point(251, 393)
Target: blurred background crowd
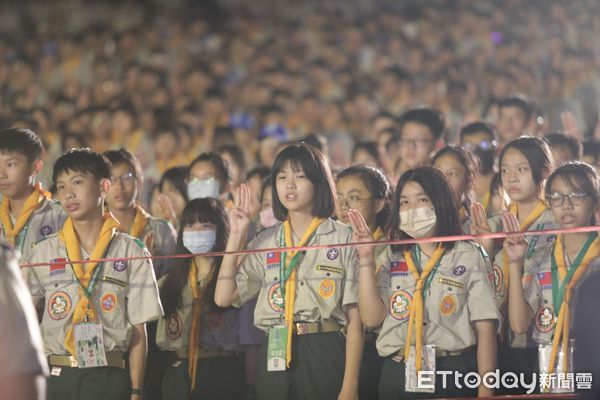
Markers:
point(168, 80)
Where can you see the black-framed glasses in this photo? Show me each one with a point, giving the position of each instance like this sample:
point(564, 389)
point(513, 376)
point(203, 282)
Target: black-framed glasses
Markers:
point(125, 179)
point(557, 199)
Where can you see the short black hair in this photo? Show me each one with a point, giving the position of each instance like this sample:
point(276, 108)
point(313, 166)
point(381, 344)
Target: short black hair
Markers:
point(438, 190)
point(311, 161)
point(433, 119)
point(23, 141)
point(216, 160)
point(261, 171)
point(478, 127)
point(536, 151)
point(560, 139)
point(237, 154)
point(377, 183)
point(519, 101)
point(176, 176)
point(123, 156)
point(370, 147)
point(82, 160)
point(578, 175)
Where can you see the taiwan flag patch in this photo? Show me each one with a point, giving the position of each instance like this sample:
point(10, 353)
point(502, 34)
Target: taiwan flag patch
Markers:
point(273, 260)
point(58, 266)
point(545, 280)
point(399, 268)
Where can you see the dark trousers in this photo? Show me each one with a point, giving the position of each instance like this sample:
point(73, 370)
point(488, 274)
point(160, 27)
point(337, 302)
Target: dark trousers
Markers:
point(370, 370)
point(316, 371)
point(217, 378)
point(99, 383)
point(391, 385)
point(519, 361)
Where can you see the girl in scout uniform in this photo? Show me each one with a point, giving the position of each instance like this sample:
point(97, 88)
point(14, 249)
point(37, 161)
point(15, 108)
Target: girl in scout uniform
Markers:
point(27, 215)
point(366, 189)
point(458, 166)
point(435, 295)
point(127, 181)
point(201, 337)
point(94, 313)
point(525, 164)
point(304, 298)
point(546, 300)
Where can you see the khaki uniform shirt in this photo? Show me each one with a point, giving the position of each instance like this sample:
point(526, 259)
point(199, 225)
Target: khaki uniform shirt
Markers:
point(125, 295)
point(47, 219)
point(219, 330)
point(327, 279)
point(459, 294)
point(538, 294)
point(21, 346)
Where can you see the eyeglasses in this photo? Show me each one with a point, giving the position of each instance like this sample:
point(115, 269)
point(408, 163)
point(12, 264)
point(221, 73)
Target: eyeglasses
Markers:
point(352, 201)
point(125, 179)
point(557, 199)
point(414, 142)
point(485, 145)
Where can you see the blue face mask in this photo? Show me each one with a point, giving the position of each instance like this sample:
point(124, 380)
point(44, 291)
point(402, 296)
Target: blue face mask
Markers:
point(202, 188)
point(199, 241)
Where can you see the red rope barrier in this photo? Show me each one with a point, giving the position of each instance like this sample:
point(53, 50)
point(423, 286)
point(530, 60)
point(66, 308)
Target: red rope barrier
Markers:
point(440, 239)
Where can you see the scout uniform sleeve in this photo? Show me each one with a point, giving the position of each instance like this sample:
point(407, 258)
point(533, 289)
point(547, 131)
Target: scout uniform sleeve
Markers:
point(351, 284)
point(33, 283)
point(143, 302)
point(383, 276)
point(250, 274)
point(21, 345)
point(480, 296)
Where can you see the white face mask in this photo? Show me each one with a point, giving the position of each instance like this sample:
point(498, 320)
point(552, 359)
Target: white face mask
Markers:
point(202, 188)
point(199, 241)
point(418, 222)
point(267, 218)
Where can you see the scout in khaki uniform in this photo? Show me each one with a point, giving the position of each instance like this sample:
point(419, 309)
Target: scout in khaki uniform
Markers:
point(524, 165)
point(544, 304)
point(22, 375)
point(26, 214)
point(127, 181)
point(94, 318)
point(201, 338)
point(437, 295)
point(366, 189)
point(304, 298)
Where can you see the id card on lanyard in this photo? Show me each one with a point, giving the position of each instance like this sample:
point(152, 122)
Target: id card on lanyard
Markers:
point(411, 376)
point(277, 348)
point(544, 355)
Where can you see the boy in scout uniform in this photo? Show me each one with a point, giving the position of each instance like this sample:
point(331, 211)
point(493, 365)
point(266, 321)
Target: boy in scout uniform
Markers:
point(94, 317)
point(26, 214)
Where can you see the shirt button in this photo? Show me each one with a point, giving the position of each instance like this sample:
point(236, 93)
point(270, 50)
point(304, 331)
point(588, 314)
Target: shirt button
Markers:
point(302, 283)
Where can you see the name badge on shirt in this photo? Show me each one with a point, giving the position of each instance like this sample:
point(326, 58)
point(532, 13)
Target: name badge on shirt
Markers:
point(277, 348)
point(556, 385)
point(89, 344)
point(426, 384)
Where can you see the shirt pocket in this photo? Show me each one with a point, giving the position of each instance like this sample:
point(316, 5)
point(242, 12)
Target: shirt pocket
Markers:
point(327, 280)
point(449, 297)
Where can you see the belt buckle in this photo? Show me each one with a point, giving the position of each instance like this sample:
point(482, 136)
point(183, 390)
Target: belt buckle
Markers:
point(302, 328)
point(73, 361)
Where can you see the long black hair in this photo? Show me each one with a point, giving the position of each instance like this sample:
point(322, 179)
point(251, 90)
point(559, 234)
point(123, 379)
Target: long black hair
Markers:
point(438, 190)
point(207, 210)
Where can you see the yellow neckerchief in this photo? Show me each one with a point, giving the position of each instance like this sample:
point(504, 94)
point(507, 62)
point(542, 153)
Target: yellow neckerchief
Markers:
point(416, 308)
point(290, 284)
point(564, 316)
point(531, 218)
point(378, 234)
point(84, 272)
point(31, 204)
point(139, 222)
point(194, 340)
point(486, 200)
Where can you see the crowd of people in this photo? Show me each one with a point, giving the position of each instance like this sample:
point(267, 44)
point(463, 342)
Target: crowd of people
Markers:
point(142, 129)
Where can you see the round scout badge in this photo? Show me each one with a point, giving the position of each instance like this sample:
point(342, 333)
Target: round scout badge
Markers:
point(46, 230)
point(448, 305)
point(400, 305)
point(59, 305)
point(498, 279)
point(108, 302)
point(275, 298)
point(544, 319)
point(173, 327)
point(120, 265)
point(327, 288)
point(459, 270)
point(332, 254)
